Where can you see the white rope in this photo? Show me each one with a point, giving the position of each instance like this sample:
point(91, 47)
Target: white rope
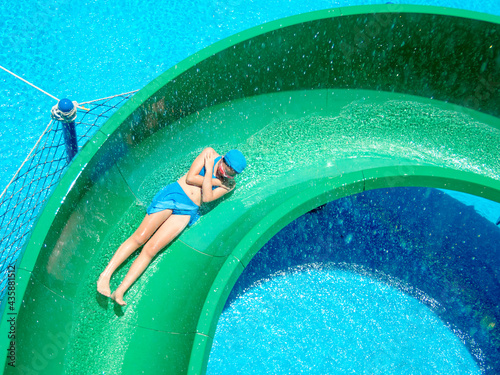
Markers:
point(22, 79)
point(59, 115)
point(38, 88)
point(56, 114)
point(25, 160)
point(110, 97)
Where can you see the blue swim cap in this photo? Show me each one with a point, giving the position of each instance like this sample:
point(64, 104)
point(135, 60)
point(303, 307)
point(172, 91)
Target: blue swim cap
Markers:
point(235, 160)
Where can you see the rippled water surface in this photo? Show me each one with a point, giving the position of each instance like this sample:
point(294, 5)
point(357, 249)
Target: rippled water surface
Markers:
point(327, 321)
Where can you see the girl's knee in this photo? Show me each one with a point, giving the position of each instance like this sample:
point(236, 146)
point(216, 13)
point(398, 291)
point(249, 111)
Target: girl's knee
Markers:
point(139, 238)
point(150, 250)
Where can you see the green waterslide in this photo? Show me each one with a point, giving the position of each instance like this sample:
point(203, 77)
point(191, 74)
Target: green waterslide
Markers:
point(324, 105)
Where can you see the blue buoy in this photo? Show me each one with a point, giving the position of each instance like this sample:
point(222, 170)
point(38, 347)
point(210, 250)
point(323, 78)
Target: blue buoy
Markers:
point(65, 105)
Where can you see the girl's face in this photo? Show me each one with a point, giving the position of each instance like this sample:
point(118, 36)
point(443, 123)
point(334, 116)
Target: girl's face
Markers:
point(225, 170)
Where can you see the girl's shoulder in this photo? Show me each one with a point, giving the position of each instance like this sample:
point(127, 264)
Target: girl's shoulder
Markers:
point(210, 150)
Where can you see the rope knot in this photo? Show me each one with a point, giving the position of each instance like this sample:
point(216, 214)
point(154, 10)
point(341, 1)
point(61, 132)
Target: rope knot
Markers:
point(59, 115)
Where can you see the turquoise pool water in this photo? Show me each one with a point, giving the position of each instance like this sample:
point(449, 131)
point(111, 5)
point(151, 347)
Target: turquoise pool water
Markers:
point(331, 321)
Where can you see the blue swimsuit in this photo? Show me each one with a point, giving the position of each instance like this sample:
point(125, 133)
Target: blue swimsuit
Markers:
point(173, 197)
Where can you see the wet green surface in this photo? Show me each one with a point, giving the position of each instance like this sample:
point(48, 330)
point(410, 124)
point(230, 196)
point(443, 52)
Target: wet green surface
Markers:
point(294, 153)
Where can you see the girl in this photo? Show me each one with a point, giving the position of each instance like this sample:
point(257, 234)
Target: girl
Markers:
point(172, 209)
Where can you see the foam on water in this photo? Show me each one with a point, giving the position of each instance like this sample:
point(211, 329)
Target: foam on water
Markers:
point(387, 128)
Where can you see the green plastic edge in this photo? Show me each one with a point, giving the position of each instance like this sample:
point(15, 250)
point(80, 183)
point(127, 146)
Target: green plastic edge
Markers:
point(81, 160)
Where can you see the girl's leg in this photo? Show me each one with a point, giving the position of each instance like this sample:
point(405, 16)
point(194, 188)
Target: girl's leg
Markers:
point(168, 231)
point(148, 226)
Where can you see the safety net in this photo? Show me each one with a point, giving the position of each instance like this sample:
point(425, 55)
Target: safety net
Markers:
point(29, 188)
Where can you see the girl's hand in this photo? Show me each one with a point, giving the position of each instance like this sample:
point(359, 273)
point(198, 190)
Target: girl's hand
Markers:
point(228, 184)
point(225, 183)
point(209, 161)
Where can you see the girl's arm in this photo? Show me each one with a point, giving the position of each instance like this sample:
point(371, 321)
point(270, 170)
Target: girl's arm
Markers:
point(212, 195)
point(209, 195)
point(193, 176)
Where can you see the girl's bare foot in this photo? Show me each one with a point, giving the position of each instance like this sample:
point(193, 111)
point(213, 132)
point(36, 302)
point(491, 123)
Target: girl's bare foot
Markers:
point(118, 298)
point(103, 286)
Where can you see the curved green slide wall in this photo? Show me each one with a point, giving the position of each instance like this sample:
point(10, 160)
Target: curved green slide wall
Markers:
point(324, 105)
